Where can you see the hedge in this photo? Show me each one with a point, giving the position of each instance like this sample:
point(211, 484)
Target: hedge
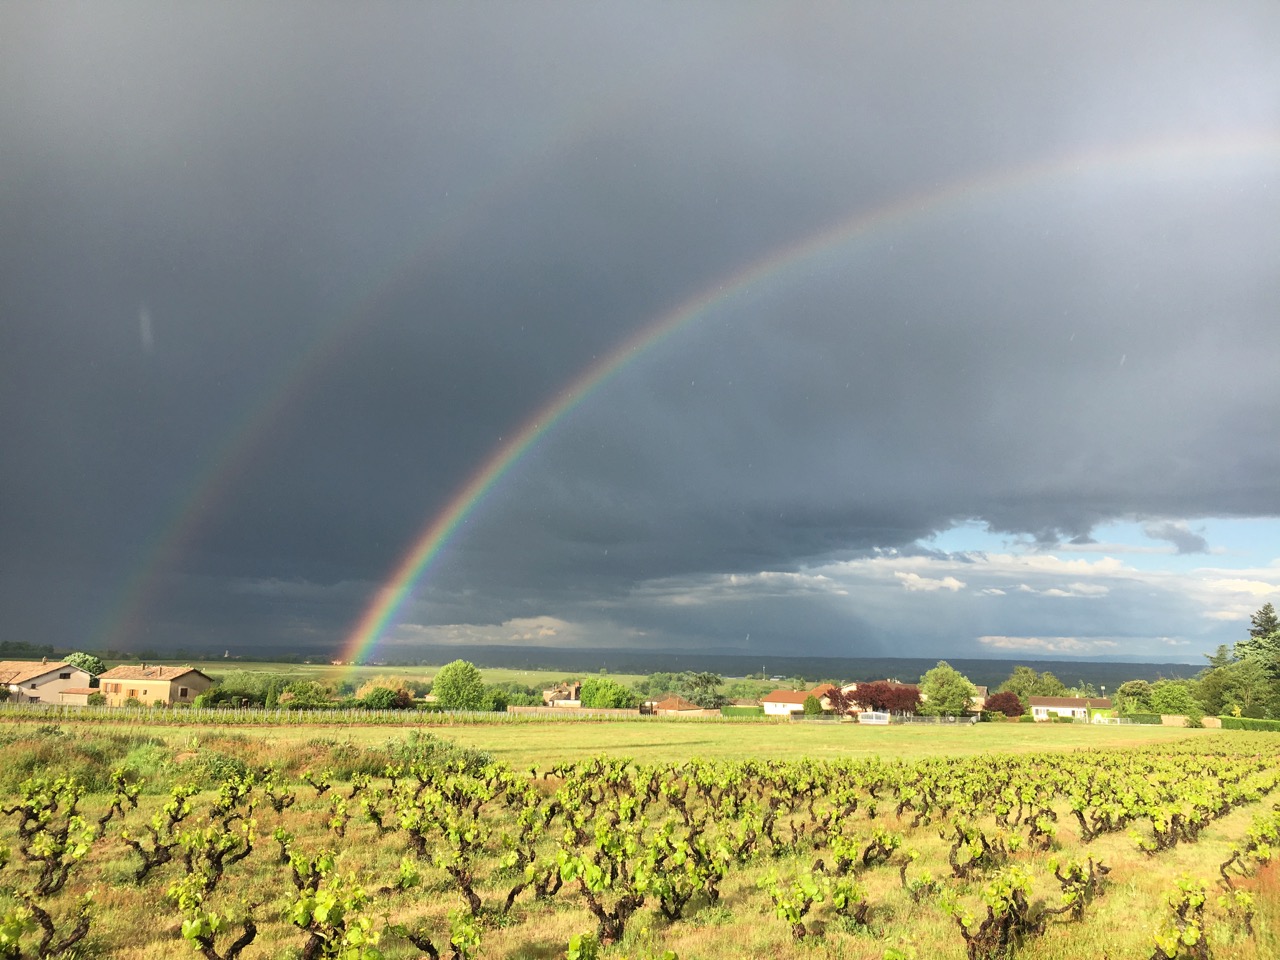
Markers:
point(1246, 723)
point(742, 711)
point(1151, 719)
point(1064, 719)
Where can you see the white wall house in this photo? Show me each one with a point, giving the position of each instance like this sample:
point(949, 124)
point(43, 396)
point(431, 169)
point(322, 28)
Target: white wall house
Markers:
point(1078, 708)
point(784, 703)
point(31, 681)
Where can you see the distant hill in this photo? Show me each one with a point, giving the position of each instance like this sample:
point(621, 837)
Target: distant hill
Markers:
point(906, 669)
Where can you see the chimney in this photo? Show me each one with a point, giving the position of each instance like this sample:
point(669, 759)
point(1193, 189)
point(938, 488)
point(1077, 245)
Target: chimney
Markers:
point(44, 661)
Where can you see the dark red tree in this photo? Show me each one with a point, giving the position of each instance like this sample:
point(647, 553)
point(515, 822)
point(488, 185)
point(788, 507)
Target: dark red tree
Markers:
point(888, 697)
point(841, 702)
point(1006, 703)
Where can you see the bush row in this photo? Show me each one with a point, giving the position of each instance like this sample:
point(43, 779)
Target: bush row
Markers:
point(1247, 723)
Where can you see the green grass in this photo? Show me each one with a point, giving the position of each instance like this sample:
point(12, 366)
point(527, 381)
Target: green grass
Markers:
point(675, 740)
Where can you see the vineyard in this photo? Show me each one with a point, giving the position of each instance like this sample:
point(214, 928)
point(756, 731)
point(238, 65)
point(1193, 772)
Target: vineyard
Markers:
point(154, 846)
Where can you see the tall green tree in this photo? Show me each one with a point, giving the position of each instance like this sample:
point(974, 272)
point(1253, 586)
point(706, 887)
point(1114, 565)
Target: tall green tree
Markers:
point(1175, 697)
point(1222, 657)
point(1133, 696)
point(945, 691)
point(86, 661)
point(1264, 622)
point(1242, 684)
point(458, 686)
point(1026, 683)
point(1263, 645)
point(606, 693)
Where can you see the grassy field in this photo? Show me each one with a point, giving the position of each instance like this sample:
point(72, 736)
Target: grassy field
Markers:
point(135, 922)
point(675, 740)
point(538, 679)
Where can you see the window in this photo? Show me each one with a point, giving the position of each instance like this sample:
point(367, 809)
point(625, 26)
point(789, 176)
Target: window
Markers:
point(64, 676)
point(133, 693)
point(182, 693)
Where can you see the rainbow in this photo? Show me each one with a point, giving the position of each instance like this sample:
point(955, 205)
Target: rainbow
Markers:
point(1179, 155)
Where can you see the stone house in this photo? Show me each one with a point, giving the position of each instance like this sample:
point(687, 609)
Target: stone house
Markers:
point(30, 681)
point(169, 685)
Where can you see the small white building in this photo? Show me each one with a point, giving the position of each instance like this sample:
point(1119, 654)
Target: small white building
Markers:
point(1078, 708)
point(30, 681)
point(784, 703)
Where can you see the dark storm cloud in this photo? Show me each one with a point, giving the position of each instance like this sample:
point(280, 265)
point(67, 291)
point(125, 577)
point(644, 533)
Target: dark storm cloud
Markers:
point(295, 275)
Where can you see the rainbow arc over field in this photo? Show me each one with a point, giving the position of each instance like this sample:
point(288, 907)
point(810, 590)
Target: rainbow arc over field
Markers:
point(1178, 155)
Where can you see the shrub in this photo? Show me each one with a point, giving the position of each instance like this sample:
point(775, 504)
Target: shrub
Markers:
point(812, 706)
point(1006, 703)
point(1248, 723)
point(97, 699)
point(458, 686)
point(1064, 719)
point(1026, 718)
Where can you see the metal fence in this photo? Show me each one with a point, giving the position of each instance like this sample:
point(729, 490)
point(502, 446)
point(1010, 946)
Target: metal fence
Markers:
point(909, 718)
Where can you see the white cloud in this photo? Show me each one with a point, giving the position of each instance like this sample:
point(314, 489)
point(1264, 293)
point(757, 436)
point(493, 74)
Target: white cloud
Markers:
point(1059, 645)
point(916, 583)
point(1078, 590)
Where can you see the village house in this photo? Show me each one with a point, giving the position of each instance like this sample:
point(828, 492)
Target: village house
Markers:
point(168, 685)
point(1078, 708)
point(76, 696)
point(786, 703)
point(673, 706)
point(563, 695)
point(29, 681)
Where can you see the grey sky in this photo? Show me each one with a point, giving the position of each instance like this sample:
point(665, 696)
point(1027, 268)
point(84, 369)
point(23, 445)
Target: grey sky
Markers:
point(276, 279)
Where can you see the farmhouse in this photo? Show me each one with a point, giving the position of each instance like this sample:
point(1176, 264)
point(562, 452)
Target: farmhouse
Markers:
point(169, 685)
point(676, 705)
point(563, 695)
point(785, 703)
point(30, 682)
point(1078, 708)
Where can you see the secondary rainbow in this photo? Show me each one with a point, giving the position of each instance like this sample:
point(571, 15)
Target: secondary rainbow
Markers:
point(427, 546)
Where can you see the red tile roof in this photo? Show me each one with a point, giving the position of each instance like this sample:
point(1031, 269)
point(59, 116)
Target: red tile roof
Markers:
point(138, 672)
point(20, 671)
point(675, 703)
point(786, 696)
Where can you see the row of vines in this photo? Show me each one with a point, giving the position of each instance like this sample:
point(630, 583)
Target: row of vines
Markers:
point(436, 855)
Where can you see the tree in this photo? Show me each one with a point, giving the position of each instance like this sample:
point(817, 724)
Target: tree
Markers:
point(945, 691)
point(888, 697)
point(812, 706)
point(1007, 703)
point(1175, 697)
point(1265, 622)
point(1133, 696)
point(1222, 657)
point(841, 702)
point(1026, 683)
point(1242, 684)
point(602, 692)
point(704, 690)
point(458, 686)
point(86, 661)
point(1263, 645)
